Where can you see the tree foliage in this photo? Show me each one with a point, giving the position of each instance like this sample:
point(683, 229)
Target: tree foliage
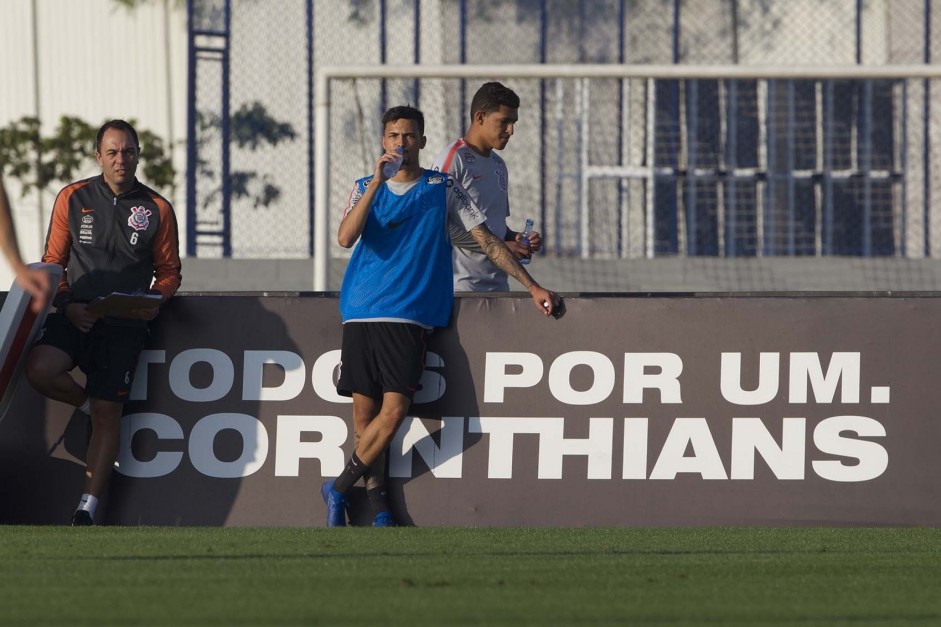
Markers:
point(40, 163)
point(251, 127)
point(130, 5)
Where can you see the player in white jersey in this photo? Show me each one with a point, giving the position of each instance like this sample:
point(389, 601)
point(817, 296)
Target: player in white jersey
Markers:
point(472, 162)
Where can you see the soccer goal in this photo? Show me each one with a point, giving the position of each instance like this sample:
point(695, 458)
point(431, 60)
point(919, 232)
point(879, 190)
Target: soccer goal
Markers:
point(635, 170)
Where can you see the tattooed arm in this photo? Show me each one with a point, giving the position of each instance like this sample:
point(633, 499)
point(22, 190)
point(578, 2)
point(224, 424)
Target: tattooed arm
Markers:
point(500, 255)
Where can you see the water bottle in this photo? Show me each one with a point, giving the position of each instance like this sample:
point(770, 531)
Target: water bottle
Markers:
point(391, 168)
point(527, 231)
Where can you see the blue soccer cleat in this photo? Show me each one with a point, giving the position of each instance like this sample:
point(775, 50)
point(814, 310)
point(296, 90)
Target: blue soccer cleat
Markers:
point(336, 505)
point(383, 519)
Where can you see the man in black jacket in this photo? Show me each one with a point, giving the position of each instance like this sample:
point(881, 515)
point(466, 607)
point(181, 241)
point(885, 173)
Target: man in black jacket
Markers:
point(110, 233)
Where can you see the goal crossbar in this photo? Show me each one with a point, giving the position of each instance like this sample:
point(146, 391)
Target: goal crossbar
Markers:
point(326, 74)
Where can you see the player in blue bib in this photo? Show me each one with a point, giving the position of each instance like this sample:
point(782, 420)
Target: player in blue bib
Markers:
point(401, 269)
point(397, 287)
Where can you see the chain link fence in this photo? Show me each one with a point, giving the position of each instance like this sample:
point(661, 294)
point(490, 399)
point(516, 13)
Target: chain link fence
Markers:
point(612, 169)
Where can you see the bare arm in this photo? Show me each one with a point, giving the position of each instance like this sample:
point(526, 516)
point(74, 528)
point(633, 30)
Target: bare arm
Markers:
point(354, 221)
point(7, 233)
point(460, 238)
point(35, 282)
point(500, 255)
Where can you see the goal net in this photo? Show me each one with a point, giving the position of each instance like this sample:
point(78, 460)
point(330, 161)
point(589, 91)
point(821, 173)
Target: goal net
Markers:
point(677, 178)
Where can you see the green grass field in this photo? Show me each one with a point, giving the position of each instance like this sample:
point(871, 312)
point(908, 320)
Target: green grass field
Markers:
point(408, 576)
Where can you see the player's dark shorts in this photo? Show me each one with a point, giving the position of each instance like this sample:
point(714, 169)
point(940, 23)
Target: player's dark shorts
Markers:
point(380, 357)
point(107, 354)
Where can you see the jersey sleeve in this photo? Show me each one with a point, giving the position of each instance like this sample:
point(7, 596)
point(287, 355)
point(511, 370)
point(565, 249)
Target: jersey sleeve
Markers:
point(451, 162)
point(355, 196)
point(462, 210)
point(59, 237)
point(166, 252)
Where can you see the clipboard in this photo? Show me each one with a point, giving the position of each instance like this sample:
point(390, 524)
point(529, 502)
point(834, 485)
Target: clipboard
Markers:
point(121, 305)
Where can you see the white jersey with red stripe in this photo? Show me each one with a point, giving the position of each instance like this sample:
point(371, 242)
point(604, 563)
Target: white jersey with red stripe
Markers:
point(486, 180)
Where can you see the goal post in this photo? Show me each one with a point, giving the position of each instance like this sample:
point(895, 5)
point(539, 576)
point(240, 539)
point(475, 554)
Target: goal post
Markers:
point(720, 161)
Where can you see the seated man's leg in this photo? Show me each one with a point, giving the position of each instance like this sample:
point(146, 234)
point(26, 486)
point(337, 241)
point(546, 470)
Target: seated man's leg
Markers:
point(102, 453)
point(52, 357)
point(103, 448)
point(110, 365)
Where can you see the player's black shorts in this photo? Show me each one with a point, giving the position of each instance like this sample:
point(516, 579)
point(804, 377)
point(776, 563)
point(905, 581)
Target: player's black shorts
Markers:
point(380, 357)
point(107, 354)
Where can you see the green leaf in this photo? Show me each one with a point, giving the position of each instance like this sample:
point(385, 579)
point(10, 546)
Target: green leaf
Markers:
point(48, 163)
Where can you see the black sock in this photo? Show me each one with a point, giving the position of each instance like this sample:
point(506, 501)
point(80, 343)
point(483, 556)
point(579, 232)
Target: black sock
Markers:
point(379, 497)
point(355, 469)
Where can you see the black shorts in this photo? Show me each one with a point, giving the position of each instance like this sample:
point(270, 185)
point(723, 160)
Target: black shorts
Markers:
point(107, 354)
point(380, 357)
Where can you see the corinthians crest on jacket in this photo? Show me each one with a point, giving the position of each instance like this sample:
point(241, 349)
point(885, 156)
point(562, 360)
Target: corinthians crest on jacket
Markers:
point(139, 218)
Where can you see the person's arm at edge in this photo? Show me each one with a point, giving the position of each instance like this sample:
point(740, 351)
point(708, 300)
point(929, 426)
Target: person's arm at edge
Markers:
point(8, 243)
point(35, 282)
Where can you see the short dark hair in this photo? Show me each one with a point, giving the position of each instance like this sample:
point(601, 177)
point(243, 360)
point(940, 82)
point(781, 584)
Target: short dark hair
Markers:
point(404, 112)
point(491, 96)
point(119, 125)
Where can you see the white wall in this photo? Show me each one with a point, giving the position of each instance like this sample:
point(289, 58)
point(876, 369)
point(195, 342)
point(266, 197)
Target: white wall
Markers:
point(95, 60)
